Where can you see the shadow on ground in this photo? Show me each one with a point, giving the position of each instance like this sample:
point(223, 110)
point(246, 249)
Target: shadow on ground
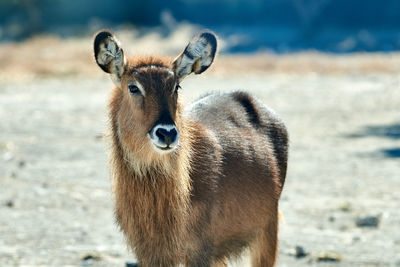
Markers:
point(387, 131)
point(391, 131)
point(391, 152)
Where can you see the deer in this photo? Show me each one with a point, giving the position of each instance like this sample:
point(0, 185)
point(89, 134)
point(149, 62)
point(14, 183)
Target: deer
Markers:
point(194, 185)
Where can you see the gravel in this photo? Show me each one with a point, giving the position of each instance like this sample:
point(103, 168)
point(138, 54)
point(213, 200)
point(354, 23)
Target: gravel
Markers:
point(53, 163)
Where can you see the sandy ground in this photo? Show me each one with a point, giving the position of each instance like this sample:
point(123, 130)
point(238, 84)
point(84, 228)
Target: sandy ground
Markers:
point(342, 113)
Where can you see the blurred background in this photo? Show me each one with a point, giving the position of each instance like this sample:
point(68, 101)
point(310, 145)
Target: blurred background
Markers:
point(330, 68)
point(277, 25)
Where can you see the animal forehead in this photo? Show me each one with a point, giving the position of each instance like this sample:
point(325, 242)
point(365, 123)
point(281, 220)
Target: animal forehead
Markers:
point(153, 69)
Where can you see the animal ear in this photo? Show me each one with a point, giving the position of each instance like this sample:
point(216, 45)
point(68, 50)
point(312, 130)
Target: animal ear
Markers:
point(109, 55)
point(197, 56)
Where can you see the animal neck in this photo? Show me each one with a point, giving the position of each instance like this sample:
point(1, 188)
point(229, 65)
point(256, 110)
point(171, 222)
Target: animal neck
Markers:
point(154, 198)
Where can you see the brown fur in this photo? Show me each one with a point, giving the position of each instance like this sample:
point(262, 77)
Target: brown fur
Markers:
point(215, 194)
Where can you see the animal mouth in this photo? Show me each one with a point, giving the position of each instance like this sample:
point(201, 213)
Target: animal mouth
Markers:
point(164, 148)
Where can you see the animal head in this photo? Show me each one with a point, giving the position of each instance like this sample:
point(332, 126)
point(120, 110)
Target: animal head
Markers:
point(148, 112)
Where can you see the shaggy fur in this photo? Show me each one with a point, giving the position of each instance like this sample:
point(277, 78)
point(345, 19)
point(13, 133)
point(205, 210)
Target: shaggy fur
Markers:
point(213, 196)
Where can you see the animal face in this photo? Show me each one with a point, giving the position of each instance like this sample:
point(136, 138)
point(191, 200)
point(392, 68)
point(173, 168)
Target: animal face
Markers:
point(148, 89)
point(150, 95)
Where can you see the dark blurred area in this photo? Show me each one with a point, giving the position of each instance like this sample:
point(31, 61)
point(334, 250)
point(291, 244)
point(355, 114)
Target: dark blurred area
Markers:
point(247, 25)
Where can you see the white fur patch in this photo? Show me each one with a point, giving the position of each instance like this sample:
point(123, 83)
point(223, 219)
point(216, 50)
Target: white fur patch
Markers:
point(140, 87)
point(170, 72)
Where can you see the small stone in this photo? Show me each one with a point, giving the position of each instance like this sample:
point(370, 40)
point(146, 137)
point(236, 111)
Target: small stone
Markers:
point(328, 256)
point(91, 256)
point(131, 264)
point(8, 156)
point(367, 221)
point(9, 203)
point(99, 136)
point(21, 163)
point(331, 218)
point(346, 207)
point(298, 252)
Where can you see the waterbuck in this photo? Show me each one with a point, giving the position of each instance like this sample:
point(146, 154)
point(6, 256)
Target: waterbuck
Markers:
point(192, 186)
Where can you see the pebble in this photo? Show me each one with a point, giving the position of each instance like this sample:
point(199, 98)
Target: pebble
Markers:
point(8, 156)
point(91, 256)
point(21, 163)
point(367, 221)
point(9, 203)
point(328, 256)
point(345, 207)
point(298, 252)
point(99, 137)
point(131, 264)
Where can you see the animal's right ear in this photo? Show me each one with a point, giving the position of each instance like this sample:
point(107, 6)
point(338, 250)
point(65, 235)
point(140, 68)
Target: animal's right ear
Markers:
point(109, 55)
point(198, 55)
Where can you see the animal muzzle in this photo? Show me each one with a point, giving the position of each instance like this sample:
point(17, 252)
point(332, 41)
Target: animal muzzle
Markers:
point(164, 137)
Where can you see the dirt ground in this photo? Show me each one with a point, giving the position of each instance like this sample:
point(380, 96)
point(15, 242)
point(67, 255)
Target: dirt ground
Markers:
point(342, 113)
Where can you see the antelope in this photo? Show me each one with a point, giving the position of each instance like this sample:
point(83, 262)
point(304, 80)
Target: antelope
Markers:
point(193, 186)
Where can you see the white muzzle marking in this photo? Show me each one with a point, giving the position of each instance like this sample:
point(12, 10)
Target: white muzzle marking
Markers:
point(164, 137)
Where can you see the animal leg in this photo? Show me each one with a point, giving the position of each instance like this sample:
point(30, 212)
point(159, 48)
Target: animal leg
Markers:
point(264, 249)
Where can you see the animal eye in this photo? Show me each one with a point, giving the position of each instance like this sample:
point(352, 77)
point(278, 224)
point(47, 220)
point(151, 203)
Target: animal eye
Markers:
point(133, 89)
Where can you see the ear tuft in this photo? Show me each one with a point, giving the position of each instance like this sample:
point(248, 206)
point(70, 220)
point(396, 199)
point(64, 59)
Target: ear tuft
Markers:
point(198, 55)
point(109, 55)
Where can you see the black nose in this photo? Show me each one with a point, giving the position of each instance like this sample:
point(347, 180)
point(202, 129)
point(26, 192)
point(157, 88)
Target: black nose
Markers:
point(167, 136)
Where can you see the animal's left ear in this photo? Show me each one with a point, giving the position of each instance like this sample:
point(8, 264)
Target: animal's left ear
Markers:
point(197, 56)
point(109, 55)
